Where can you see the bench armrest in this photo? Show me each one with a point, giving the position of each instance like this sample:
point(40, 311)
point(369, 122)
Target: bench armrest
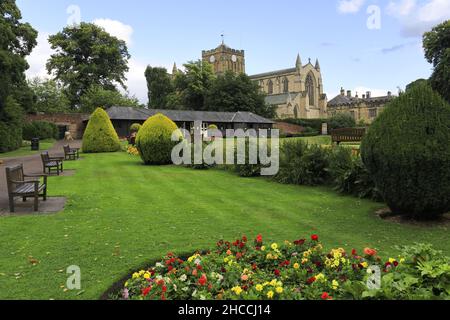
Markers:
point(36, 176)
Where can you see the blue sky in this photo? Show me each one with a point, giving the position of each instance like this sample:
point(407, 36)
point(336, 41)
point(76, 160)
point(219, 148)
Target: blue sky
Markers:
point(361, 44)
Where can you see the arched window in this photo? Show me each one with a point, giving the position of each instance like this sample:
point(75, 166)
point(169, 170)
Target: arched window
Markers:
point(285, 85)
point(310, 90)
point(270, 87)
point(296, 111)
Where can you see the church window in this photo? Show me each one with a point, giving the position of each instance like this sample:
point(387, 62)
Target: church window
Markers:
point(285, 85)
point(310, 90)
point(270, 87)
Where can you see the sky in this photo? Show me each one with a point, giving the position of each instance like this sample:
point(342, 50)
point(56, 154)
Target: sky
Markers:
point(362, 45)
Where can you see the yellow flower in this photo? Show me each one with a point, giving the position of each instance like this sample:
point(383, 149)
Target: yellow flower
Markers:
point(274, 246)
point(279, 290)
point(269, 256)
point(402, 260)
point(147, 276)
point(270, 294)
point(135, 275)
point(296, 266)
point(320, 277)
point(237, 290)
point(141, 273)
point(226, 260)
point(263, 248)
point(335, 285)
point(392, 260)
point(304, 260)
point(273, 283)
point(365, 264)
point(126, 284)
point(259, 288)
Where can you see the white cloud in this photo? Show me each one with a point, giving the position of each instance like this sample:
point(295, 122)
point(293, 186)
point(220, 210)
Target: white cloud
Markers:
point(350, 6)
point(416, 18)
point(136, 83)
point(374, 92)
point(117, 29)
point(39, 56)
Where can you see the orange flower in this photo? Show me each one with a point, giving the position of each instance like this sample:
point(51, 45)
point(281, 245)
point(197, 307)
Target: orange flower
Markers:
point(370, 252)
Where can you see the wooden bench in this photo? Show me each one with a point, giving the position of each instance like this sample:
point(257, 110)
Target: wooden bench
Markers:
point(52, 163)
point(18, 186)
point(71, 153)
point(347, 135)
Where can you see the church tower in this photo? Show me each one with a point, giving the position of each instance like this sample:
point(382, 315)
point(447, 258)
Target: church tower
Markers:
point(223, 59)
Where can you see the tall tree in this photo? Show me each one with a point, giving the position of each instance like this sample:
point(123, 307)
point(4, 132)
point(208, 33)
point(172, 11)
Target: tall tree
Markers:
point(87, 55)
point(49, 95)
point(437, 51)
point(192, 85)
point(17, 40)
point(237, 92)
point(159, 84)
point(96, 97)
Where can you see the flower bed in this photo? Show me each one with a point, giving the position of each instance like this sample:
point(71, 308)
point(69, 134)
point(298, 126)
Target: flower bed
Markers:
point(297, 270)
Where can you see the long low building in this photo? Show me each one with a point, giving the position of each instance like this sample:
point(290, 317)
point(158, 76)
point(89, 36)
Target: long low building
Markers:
point(123, 117)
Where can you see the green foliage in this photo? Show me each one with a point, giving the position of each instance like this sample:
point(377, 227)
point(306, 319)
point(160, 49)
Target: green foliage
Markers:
point(135, 127)
point(17, 40)
point(87, 55)
point(49, 95)
point(40, 129)
point(11, 126)
point(349, 175)
point(159, 84)
point(418, 82)
point(100, 135)
point(436, 44)
point(97, 96)
point(408, 154)
point(302, 164)
point(341, 120)
point(233, 92)
point(154, 140)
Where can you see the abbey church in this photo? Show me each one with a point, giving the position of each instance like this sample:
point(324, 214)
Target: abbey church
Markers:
point(296, 92)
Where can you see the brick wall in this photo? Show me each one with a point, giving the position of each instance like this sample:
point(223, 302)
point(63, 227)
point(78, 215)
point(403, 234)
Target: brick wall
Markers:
point(75, 122)
point(287, 128)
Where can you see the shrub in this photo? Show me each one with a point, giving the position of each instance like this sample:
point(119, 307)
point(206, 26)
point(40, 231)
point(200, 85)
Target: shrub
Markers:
point(299, 270)
point(302, 164)
point(40, 129)
point(135, 127)
point(10, 126)
point(341, 120)
point(154, 140)
point(349, 175)
point(100, 135)
point(407, 152)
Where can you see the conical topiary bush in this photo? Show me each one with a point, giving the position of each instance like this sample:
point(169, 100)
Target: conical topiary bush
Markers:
point(407, 152)
point(154, 140)
point(100, 135)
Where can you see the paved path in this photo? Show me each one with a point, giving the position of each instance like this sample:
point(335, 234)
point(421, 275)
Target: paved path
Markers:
point(32, 164)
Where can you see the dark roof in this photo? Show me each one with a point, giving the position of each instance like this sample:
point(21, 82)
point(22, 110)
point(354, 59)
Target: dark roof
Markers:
point(136, 114)
point(343, 100)
point(273, 73)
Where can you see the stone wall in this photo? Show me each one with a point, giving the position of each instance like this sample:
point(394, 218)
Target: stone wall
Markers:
point(75, 123)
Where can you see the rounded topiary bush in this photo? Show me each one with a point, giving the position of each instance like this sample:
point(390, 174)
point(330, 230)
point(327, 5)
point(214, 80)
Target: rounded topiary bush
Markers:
point(407, 152)
point(135, 127)
point(100, 135)
point(154, 140)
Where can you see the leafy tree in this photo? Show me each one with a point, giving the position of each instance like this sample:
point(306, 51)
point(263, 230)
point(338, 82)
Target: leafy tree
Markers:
point(17, 40)
point(416, 83)
point(49, 95)
point(87, 55)
point(96, 96)
point(159, 84)
point(192, 86)
point(237, 92)
point(437, 51)
point(100, 135)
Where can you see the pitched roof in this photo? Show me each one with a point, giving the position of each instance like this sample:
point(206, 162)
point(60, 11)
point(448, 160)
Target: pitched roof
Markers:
point(273, 73)
point(136, 114)
point(343, 100)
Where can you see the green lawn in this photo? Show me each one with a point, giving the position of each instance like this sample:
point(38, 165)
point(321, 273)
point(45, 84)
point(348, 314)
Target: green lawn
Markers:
point(26, 151)
point(121, 215)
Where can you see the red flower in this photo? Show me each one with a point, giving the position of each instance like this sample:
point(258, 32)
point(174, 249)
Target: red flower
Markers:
point(146, 291)
point(311, 280)
point(277, 272)
point(254, 266)
point(199, 267)
point(299, 242)
point(164, 289)
point(315, 237)
point(395, 264)
point(354, 252)
point(326, 296)
point(238, 255)
point(370, 252)
point(170, 268)
point(244, 239)
point(195, 273)
point(259, 239)
point(203, 279)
